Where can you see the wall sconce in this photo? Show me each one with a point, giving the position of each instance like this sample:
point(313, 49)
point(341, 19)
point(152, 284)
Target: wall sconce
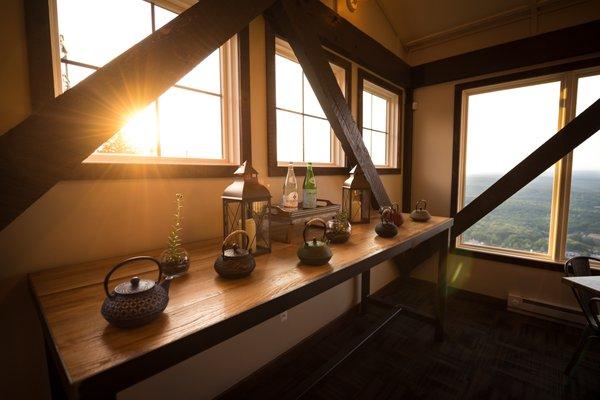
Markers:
point(352, 5)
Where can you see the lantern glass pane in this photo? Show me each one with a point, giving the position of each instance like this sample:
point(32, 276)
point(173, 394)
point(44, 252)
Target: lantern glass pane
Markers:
point(366, 205)
point(232, 216)
point(346, 201)
point(258, 226)
point(356, 205)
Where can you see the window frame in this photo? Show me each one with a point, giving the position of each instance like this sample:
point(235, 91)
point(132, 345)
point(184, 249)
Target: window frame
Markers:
point(396, 137)
point(276, 168)
point(567, 73)
point(130, 167)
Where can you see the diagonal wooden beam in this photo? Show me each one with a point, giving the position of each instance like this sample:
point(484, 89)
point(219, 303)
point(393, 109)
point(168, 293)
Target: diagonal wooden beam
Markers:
point(340, 35)
point(51, 142)
point(562, 143)
point(290, 18)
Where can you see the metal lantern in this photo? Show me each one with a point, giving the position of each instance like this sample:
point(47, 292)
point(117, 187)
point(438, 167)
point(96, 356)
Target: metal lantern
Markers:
point(246, 206)
point(356, 197)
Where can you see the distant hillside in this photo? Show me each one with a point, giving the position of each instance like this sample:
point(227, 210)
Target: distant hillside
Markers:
point(523, 222)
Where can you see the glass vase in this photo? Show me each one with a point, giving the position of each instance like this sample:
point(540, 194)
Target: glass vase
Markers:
point(338, 231)
point(174, 265)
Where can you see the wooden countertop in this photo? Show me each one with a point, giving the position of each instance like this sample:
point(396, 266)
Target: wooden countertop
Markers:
point(69, 298)
point(591, 283)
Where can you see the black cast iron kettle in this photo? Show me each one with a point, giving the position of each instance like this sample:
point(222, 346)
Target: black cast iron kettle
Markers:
point(234, 262)
point(315, 252)
point(136, 302)
point(386, 227)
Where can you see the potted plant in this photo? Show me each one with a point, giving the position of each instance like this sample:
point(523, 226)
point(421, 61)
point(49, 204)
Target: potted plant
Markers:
point(174, 259)
point(339, 228)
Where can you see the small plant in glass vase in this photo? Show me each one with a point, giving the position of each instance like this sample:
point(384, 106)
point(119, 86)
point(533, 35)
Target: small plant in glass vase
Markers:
point(339, 228)
point(174, 259)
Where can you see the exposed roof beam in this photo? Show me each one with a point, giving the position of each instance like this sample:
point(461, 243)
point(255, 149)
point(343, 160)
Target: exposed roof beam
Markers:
point(341, 36)
point(51, 142)
point(291, 18)
point(561, 44)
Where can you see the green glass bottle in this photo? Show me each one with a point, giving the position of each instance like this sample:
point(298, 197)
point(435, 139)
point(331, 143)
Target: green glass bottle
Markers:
point(309, 198)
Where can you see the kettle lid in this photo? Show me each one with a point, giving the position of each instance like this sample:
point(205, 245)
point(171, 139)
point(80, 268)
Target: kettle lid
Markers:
point(235, 252)
point(135, 285)
point(315, 243)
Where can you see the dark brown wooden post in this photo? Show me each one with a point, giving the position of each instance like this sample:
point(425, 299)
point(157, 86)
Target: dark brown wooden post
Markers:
point(290, 18)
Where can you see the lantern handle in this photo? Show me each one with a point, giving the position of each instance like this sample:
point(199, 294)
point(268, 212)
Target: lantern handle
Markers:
point(310, 224)
point(232, 234)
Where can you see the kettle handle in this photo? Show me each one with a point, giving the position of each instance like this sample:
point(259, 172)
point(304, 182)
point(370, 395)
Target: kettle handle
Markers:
point(386, 213)
point(232, 234)
point(128, 261)
point(424, 204)
point(310, 223)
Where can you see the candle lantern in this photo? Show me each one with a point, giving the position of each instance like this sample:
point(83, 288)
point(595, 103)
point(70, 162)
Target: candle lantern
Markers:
point(356, 197)
point(246, 206)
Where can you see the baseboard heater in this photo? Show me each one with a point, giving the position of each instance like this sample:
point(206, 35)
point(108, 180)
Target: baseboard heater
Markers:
point(545, 310)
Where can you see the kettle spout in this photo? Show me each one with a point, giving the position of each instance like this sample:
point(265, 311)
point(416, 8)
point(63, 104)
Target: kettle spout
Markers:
point(166, 283)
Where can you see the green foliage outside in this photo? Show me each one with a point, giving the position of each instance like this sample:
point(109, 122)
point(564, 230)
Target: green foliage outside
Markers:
point(523, 221)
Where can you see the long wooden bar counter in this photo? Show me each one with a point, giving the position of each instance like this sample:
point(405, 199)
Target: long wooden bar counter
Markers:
point(93, 359)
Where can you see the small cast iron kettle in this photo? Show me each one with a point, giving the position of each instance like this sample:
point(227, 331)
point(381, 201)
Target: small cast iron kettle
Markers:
point(396, 215)
point(386, 228)
point(234, 262)
point(420, 212)
point(315, 252)
point(137, 302)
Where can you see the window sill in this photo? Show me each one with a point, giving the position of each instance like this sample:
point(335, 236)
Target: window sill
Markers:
point(389, 171)
point(301, 170)
point(98, 171)
point(509, 259)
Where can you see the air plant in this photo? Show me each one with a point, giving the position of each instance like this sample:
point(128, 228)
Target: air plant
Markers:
point(341, 222)
point(175, 252)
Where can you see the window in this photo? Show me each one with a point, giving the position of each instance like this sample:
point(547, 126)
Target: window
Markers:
point(556, 216)
point(298, 130)
point(303, 131)
point(194, 122)
point(583, 235)
point(379, 120)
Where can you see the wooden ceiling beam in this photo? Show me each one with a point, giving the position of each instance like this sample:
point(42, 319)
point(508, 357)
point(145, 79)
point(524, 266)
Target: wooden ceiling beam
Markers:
point(290, 18)
point(558, 146)
point(56, 138)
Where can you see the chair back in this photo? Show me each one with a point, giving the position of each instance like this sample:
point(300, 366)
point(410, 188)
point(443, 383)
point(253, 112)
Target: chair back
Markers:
point(580, 266)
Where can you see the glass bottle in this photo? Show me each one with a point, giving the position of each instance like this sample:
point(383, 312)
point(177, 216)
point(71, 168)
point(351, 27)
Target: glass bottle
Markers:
point(290, 189)
point(309, 195)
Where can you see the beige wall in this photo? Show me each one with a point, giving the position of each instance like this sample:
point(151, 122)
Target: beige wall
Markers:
point(80, 221)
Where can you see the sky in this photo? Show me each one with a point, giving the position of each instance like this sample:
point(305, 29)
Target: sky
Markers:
point(504, 127)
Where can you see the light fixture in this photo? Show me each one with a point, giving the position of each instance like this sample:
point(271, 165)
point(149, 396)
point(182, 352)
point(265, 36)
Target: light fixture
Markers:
point(352, 5)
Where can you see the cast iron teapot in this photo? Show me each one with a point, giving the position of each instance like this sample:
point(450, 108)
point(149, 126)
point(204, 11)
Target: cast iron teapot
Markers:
point(136, 302)
point(420, 212)
point(386, 227)
point(234, 262)
point(315, 252)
